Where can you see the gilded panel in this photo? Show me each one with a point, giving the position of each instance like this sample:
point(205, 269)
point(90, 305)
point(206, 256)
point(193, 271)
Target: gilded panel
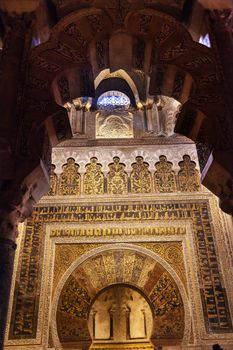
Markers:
point(172, 253)
point(141, 180)
point(188, 176)
point(117, 179)
point(65, 255)
point(53, 181)
point(110, 267)
point(164, 176)
point(164, 295)
point(93, 180)
point(70, 179)
point(28, 282)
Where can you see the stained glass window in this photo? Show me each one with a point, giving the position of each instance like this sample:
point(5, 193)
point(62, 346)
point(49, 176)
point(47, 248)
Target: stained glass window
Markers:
point(112, 100)
point(205, 40)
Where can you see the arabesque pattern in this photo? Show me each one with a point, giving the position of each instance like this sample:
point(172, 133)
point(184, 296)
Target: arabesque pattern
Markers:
point(163, 293)
point(118, 181)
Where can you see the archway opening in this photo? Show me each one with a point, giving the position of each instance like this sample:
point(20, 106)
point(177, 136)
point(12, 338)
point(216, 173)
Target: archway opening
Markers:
point(81, 323)
point(120, 316)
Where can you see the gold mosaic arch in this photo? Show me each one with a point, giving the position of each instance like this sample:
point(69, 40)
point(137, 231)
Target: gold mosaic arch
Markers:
point(30, 291)
point(107, 266)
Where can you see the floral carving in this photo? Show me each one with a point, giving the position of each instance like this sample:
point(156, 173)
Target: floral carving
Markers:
point(141, 181)
point(70, 178)
point(53, 181)
point(93, 178)
point(117, 180)
point(164, 177)
point(188, 176)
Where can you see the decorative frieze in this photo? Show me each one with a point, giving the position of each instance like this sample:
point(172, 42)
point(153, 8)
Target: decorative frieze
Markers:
point(118, 181)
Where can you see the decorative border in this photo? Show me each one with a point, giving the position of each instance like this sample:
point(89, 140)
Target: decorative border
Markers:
point(189, 247)
point(108, 247)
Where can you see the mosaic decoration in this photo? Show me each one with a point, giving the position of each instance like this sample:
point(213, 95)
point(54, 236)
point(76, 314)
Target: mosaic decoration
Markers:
point(28, 277)
point(164, 177)
point(166, 299)
point(93, 181)
point(141, 181)
point(111, 267)
point(53, 181)
point(70, 181)
point(188, 176)
point(117, 180)
point(65, 255)
point(118, 232)
point(75, 296)
point(27, 285)
point(164, 296)
point(172, 253)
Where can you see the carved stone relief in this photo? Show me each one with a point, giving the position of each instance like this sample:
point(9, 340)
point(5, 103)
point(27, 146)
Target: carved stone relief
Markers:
point(188, 177)
point(120, 181)
point(93, 180)
point(69, 181)
point(53, 181)
point(117, 179)
point(164, 176)
point(141, 180)
point(114, 125)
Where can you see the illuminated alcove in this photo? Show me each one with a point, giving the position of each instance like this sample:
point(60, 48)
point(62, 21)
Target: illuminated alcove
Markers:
point(120, 315)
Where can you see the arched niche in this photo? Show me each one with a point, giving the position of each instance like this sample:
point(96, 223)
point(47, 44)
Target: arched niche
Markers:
point(111, 265)
point(122, 314)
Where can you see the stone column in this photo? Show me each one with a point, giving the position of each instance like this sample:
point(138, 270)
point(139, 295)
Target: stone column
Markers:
point(23, 177)
point(16, 204)
point(17, 43)
point(217, 168)
point(7, 254)
point(221, 33)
